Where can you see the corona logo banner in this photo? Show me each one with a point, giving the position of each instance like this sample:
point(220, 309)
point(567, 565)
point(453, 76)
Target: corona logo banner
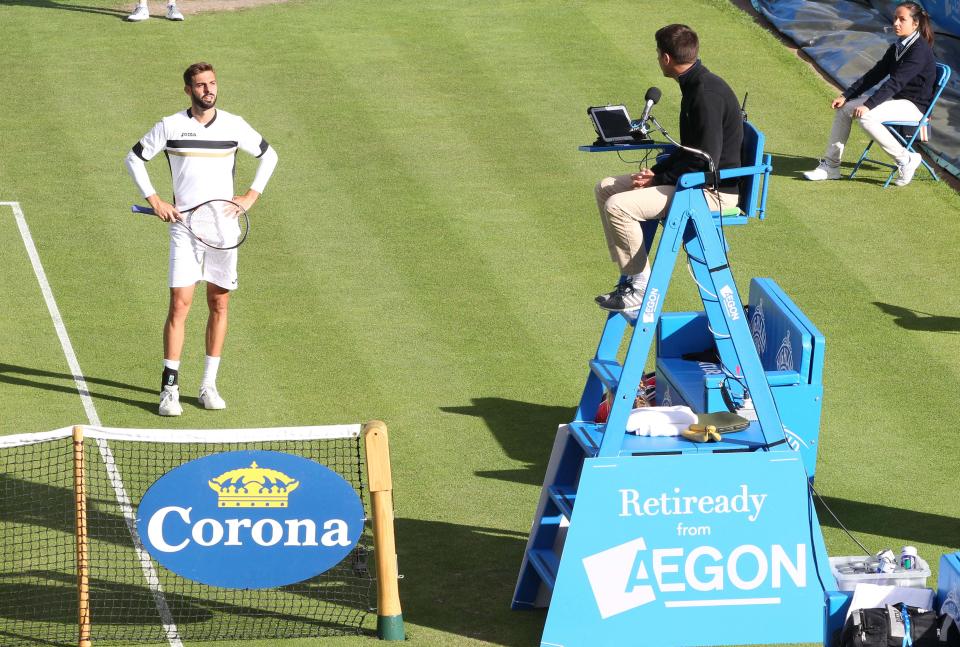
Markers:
point(706, 549)
point(250, 519)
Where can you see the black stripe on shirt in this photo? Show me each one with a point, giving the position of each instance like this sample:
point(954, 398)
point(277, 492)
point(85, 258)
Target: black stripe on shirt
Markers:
point(209, 123)
point(138, 151)
point(199, 143)
point(263, 147)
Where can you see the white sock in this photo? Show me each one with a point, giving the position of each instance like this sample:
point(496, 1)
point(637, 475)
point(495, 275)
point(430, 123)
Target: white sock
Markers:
point(640, 280)
point(210, 367)
point(173, 365)
point(143, 3)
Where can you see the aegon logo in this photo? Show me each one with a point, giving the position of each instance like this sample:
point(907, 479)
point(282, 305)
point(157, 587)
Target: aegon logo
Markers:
point(250, 519)
point(628, 576)
point(651, 308)
point(726, 293)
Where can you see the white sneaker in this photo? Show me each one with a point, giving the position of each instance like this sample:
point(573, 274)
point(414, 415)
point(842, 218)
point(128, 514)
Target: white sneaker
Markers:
point(626, 297)
point(139, 14)
point(823, 172)
point(170, 401)
point(210, 399)
point(173, 13)
point(907, 169)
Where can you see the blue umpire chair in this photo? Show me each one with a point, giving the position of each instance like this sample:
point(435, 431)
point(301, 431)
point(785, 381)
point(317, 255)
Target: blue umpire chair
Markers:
point(907, 132)
point(587, 556)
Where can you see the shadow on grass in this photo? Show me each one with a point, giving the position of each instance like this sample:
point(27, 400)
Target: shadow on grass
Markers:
point(524, 430)
point(460, 579)
point(30, 505)
point(10, 637)
point(111, 602)
point(22, 376)
point(62, 6)
point(905, 525)
point(457, 579)
point(919, 320)
point(793, 166)
point(46, 601)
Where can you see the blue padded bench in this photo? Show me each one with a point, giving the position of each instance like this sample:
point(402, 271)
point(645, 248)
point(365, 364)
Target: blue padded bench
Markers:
point(791, 351)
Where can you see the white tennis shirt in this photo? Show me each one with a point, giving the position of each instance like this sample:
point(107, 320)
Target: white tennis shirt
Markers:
point(202, 157)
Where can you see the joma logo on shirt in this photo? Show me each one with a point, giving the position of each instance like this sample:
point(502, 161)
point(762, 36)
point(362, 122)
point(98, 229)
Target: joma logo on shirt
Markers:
point(188, 134)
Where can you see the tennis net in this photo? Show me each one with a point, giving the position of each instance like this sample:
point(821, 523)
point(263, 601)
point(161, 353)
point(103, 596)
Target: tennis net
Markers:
point(133, 599)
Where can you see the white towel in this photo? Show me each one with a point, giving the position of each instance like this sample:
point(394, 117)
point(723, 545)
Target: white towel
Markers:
point(660, 421)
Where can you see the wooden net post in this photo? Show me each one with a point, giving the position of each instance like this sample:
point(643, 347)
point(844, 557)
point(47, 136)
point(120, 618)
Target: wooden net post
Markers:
point(83, 564)
point(389, 617)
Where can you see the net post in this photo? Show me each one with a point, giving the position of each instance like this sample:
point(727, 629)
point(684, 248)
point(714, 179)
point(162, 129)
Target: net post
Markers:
point(83, 564)
point(379, 477)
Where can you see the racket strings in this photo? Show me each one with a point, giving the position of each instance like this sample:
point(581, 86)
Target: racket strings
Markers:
point(218, 224)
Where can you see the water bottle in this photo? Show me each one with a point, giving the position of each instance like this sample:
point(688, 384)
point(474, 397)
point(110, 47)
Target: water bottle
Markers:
point(908, 558)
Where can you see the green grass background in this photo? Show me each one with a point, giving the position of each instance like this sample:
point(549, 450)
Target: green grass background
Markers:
point(428, 249)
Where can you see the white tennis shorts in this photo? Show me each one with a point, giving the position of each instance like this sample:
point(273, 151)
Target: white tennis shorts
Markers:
point(192, 261)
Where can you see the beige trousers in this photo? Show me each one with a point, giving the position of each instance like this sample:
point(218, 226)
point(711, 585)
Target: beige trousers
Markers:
point(623, 209)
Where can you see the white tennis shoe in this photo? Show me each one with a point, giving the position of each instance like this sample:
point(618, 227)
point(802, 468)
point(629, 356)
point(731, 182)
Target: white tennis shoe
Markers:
point(210, 399)
point(170, 401)
point(173, 13)
point(139, 14)
point(907, 169)
point(824, 171)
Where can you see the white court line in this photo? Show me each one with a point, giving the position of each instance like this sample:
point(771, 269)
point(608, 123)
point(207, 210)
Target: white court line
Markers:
point(88, 407)
point(146, 565)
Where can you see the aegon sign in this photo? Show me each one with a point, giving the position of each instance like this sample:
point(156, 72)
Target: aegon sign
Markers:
point(250, 519)
point(622, 580)
point(695, 549)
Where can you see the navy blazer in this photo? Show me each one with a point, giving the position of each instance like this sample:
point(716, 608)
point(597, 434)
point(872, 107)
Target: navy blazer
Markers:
point(911, 78)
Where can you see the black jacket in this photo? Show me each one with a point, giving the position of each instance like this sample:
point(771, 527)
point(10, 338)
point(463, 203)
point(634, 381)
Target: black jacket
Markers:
point(911, 78)
point(710, 120)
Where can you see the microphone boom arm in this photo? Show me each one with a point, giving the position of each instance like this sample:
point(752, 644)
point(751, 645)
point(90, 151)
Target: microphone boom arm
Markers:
point(712, 169)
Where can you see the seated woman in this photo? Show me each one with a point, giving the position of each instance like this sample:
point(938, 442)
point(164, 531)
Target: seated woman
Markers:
point(904, 96)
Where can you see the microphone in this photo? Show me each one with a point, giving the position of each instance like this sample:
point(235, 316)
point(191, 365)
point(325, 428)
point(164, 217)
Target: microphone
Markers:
point(651, 98)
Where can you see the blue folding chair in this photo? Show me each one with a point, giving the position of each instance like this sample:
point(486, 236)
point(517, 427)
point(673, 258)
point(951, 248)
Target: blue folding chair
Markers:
point(898, 128)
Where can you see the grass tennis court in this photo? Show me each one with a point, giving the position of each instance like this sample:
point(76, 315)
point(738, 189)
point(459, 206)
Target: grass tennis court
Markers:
point(428, 250)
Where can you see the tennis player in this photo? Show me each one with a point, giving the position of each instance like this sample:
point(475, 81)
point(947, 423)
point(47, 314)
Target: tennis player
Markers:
point(141, 12)
point(200, 144)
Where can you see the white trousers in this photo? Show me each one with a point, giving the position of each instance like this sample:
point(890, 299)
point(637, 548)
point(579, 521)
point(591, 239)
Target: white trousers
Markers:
point(872, 123)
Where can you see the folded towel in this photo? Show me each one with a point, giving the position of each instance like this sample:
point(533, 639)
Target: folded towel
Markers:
point(660, 421)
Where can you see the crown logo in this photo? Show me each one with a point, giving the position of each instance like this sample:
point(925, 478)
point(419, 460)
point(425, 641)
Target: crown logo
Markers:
point(253, 487)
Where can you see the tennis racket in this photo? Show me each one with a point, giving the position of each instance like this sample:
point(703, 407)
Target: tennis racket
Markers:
point(218, 224)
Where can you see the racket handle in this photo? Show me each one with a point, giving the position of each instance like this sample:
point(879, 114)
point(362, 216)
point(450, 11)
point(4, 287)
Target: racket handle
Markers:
point(144, 210)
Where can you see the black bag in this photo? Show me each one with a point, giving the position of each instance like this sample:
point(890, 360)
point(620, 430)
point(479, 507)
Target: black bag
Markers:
point(891, 626)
